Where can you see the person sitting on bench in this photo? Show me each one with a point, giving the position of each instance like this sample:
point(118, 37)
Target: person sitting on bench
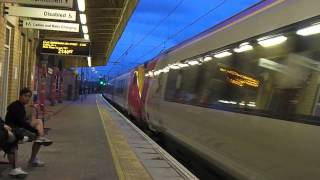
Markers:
point(8, 139)
point(16, 119)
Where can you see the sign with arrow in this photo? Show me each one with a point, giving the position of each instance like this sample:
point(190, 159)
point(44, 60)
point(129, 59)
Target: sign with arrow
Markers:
point(51, 26)
point(41, 13)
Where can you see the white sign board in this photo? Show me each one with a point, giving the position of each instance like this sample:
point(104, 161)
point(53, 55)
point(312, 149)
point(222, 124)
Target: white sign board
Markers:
point(50, 71)
point(54, 3)
point(41, 13)
point(266, 63)
point(51, 26)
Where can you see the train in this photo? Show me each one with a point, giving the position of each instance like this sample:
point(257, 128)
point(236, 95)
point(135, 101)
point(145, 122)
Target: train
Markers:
point(243, 95)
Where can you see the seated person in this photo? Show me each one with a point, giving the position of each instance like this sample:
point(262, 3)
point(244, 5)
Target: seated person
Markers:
point(16, 119)
point(8, 139)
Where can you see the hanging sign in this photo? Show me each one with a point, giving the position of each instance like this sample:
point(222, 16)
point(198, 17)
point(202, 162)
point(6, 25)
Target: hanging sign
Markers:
point(51, 26)
point(50, 71)
point(53, 3)
point(64, 47)
point(41, 13)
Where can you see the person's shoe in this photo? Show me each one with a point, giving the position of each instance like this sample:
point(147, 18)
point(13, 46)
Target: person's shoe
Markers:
point(24, 140)
point(36, 163)
point(18, 173)
point(43, 141)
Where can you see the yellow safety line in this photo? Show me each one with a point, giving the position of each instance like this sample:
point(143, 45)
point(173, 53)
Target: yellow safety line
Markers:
point(127, 164)
point(116, 162)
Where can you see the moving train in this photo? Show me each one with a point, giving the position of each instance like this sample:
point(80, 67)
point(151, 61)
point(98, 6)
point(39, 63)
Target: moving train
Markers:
point(243, 95)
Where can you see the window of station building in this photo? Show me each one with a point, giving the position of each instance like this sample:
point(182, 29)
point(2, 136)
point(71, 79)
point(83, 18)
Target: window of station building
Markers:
point(279, 81)
point(6, 68)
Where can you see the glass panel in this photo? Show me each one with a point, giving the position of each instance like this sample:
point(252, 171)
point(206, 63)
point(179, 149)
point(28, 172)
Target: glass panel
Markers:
point(280, 81)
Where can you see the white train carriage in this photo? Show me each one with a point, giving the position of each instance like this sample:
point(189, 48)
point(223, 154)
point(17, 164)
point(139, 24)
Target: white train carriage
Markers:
point(244, 95)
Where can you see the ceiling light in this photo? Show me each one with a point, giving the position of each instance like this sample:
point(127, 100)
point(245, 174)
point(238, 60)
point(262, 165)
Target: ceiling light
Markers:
point(86, 37)
point(81, 5)
point(222, 54)
point(165, 70)
point(83, 19)
point(311, 30)
point(243, 47)
point(174, 66)
point(208, 58)
point(268, 42)
point(85, 29)
point(183, 65)
point(89, 61)
point(194, 62)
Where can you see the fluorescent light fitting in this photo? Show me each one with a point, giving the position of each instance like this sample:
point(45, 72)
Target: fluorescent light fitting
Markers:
point(222, 54)
point(208, 58)
point(268, 42)
point(243, 48)
point(311, 30)
point(83, 19)
point(89, 61)
point(81, 5)
point(86, 37)
point(165, 70)
point(183, 65)
point(194, 62)
point(156, 73)
point(251, 105)
point(85, 29)
point(174, 66)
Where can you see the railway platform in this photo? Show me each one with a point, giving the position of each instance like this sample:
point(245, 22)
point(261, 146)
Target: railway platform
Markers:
point(92, 141)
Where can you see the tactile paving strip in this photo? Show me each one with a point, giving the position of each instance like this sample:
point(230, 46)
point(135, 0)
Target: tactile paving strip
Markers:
point(126, 162)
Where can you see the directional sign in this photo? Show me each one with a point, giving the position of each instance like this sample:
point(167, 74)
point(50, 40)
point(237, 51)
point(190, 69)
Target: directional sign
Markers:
point(54, 3)
point(41, 13)
point(51, 26)
point(67, 48)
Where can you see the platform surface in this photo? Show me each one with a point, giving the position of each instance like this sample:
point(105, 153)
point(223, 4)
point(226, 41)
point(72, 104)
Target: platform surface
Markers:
point(80, 150)
point(92, 141)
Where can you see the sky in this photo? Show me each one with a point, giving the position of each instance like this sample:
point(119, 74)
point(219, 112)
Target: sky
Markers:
point(156, 26)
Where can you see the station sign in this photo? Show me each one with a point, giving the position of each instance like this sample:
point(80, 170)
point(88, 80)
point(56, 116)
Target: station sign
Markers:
point(65, 47)
point(51, 26)
point(50, 71)
point(53, 3)
point(41, 13)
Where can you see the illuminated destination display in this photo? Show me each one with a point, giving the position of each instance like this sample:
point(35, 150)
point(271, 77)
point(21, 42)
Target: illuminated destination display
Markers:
point(239, 79)
point(68, 48)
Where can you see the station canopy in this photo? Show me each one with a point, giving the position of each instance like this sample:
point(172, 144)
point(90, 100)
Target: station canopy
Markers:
point(106, 21)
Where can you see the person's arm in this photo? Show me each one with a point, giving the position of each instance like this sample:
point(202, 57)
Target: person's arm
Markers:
point(20, 120)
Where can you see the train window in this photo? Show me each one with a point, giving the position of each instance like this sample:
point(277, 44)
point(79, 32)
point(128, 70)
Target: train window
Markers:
point(277, 76)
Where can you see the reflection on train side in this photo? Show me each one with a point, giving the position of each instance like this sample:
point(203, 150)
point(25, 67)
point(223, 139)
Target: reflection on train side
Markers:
point(274, 75)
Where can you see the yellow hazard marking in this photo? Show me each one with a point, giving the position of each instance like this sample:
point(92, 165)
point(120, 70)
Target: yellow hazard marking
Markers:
point(127, 164)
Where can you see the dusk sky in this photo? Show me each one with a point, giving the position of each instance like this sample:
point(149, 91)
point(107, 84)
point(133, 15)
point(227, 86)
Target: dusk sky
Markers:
point(158, 25)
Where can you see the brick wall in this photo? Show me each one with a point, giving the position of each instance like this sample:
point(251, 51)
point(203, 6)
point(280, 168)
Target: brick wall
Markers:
point(14, 68)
